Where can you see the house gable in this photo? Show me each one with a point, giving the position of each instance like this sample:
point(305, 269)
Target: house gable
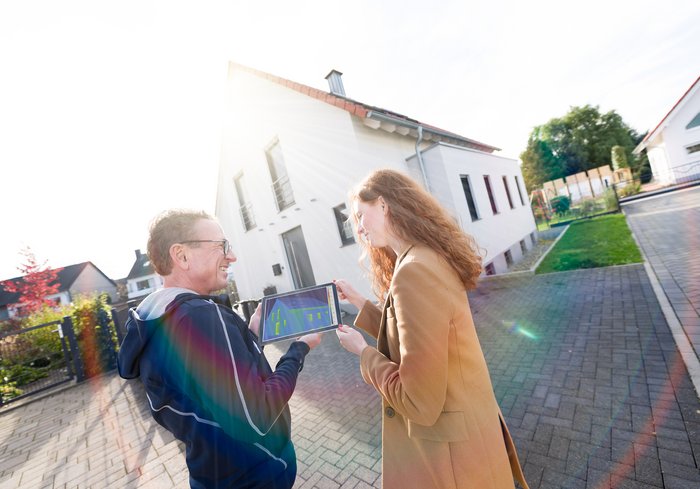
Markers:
point(668, 118)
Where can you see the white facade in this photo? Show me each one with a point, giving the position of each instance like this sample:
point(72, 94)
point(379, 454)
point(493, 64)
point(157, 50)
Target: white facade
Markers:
point(495, 233)
point(673, 147)
point(326, 151)
point(91, 280)
point(142, 286)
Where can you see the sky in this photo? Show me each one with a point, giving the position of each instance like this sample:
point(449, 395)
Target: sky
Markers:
point(111, 112)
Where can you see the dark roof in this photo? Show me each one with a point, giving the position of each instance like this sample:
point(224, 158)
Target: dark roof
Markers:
point(141, 267)
point(66, 277)
point(363, 110)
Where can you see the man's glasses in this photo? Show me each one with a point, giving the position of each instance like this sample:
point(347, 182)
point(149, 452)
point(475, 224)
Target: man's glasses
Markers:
point(225, 245)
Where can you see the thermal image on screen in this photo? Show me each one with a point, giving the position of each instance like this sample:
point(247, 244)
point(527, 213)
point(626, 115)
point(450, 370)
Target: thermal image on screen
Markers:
point(295, 315)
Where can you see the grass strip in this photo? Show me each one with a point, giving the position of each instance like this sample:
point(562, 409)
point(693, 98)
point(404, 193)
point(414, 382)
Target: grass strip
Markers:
point(598, 242)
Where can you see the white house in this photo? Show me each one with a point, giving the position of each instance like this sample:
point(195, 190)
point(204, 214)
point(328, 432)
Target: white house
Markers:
point(74, 280)
point(142, 279)
point(292, 152)
point(673, 147)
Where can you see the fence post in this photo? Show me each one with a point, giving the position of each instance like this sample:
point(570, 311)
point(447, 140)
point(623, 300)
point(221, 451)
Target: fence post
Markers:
point(67, 326)
point(117, 327)
point(617, 197)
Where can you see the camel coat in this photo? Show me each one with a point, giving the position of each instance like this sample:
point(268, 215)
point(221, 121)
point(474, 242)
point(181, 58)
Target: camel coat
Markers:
point(441, 425)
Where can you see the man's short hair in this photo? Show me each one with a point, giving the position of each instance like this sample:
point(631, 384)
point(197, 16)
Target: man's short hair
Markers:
point(170, 227)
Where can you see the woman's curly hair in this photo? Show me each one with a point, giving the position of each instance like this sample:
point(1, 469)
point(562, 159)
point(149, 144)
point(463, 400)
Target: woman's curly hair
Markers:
point(415, 217)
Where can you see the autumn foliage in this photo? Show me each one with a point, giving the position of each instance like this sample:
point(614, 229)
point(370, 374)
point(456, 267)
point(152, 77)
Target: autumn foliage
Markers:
point(38, 282)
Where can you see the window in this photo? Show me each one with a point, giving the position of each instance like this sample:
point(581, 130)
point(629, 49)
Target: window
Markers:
point(509, 257)
point(490, 269)
point(505, 185)
point(694, 122)
point(281, 187)
point(693, 149)
point(467, 187)
point(523, 248)
point(143, 285)
point(533, 239)
point(487, 182)
point(245, 208)
point(520, 192)
point(342, 219)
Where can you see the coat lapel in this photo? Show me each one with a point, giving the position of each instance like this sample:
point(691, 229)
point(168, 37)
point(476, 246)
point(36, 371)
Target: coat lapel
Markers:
point(382, 340)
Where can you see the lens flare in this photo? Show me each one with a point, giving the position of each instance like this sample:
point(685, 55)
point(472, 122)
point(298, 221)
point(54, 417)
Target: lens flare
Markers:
point(514, 327)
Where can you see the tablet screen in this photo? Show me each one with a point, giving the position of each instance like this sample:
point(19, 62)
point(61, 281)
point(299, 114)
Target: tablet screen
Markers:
point(296, 313)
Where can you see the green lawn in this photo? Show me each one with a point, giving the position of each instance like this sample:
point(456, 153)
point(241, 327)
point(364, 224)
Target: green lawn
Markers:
point(596, 242)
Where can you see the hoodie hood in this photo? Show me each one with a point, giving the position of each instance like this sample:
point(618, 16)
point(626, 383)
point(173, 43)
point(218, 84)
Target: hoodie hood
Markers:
point(141, 324)
point(154, 305)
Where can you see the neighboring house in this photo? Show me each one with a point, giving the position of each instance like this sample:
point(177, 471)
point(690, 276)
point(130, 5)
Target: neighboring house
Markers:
point(673, 147)
point(142, 279)
point(290, 155)
point(79, 279)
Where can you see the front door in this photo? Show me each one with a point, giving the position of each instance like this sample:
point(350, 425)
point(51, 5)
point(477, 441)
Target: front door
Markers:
point(298, 258)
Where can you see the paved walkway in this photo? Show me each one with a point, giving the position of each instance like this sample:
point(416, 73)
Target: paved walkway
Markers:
point(667, 227)
point(584, 366)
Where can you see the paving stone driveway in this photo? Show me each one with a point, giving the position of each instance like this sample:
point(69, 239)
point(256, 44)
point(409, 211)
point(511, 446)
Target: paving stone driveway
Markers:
point(668, 229)
point(583, 364)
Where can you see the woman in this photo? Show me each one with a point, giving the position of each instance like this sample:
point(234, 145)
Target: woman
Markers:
point(441, 424)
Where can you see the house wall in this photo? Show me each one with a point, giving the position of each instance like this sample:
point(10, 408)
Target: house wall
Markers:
point(667, 151)
point(326, 152)
point(683, 166)
point(92, 280)
point(494, 233)
point(659, 163)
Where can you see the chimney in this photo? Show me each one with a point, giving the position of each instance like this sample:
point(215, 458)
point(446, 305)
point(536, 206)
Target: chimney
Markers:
point(138, 254)
point(335, 82)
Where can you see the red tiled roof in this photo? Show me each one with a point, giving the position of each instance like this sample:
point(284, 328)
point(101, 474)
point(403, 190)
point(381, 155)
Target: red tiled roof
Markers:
point(354, 107)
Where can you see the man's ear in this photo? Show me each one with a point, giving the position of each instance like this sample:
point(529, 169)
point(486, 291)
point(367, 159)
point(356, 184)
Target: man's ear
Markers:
point(178, 254)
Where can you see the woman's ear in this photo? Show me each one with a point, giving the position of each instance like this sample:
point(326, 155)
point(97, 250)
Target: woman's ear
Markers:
point(381, 202)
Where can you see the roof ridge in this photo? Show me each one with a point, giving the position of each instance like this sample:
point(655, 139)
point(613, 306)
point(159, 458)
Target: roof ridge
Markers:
point(355, 107)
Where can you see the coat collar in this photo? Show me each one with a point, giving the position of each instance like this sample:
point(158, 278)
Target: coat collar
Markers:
point(403, 254)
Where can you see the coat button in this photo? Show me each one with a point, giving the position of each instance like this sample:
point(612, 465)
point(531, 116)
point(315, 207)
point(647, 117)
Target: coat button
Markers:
point(389, 411)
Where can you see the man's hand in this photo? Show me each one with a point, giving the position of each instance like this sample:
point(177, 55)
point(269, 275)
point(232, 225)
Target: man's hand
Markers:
point(312, 339)
point(254, 324)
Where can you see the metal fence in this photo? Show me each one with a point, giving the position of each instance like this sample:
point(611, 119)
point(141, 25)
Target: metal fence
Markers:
point(38, 358)
point(44, 356)
point(546, 215)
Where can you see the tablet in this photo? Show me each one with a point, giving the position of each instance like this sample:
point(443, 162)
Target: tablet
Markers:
point(292, 314)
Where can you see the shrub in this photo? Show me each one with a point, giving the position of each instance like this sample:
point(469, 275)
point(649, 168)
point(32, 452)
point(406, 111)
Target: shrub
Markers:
point(588, 207)
point(630, 189)
point(610, 200)
point(96, 337)
point(560, 204)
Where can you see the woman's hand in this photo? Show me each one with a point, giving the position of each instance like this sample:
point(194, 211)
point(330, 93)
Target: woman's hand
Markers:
point(351, 339)
point(254, 324)
point(347, 292)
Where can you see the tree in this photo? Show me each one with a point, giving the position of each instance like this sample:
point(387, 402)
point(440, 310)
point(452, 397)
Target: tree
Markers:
point(38, 282)
point(581, 140)
point(618, 157)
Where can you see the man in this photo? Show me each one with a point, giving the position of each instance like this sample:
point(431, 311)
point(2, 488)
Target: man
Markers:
point(206, 380)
